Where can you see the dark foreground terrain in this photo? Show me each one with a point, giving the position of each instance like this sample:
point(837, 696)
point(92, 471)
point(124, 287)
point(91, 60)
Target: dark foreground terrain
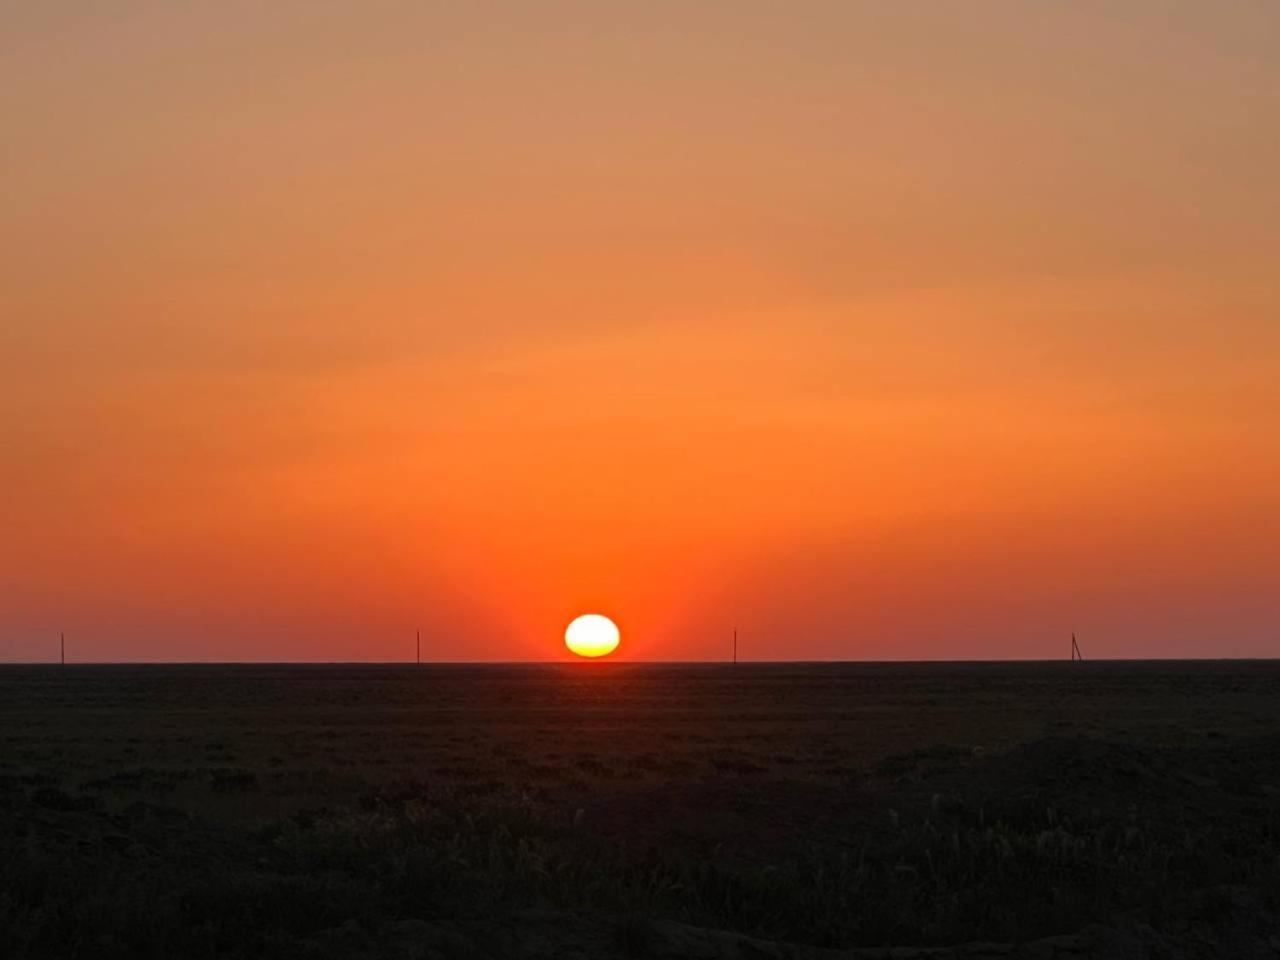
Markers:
point(606, 810)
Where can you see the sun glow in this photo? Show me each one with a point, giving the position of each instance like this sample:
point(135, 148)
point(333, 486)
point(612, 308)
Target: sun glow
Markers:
point(592, 635)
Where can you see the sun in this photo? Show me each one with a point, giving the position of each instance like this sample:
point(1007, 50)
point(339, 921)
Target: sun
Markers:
point(592, 635)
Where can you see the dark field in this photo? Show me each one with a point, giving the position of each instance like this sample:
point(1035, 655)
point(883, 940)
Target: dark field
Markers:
point(608, 810)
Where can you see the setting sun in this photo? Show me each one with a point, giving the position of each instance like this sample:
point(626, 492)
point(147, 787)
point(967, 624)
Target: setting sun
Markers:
point(592, 635)
point(904, 377)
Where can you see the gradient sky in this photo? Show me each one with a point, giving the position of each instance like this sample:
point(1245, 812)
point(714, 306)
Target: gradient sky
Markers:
point(878, 330)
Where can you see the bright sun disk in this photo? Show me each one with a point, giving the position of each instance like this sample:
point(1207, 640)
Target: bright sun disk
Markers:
point(592, 635)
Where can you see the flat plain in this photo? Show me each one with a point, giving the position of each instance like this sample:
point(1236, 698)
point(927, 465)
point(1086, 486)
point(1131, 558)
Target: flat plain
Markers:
point(631, 810)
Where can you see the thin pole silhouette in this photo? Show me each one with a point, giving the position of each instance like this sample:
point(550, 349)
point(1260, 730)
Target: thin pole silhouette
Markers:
point(735, 646)
point(1075, 650)
point(419, 648)
point(62, 637)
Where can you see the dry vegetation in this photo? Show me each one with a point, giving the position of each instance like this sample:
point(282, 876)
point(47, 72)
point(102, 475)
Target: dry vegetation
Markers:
point(593, 809)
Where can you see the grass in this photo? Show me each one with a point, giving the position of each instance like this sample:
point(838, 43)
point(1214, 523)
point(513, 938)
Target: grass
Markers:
point(439, 834)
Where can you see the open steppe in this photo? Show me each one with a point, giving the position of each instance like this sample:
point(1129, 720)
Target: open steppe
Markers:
point(611, 809)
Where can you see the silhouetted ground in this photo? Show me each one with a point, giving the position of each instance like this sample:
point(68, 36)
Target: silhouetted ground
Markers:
point(607, 810)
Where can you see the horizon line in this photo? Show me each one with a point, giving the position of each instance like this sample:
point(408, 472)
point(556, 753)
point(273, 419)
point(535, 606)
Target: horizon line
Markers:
point(604, 660)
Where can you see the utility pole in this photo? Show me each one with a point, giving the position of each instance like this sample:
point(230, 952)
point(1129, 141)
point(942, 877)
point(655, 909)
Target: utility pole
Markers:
point(1075, 650)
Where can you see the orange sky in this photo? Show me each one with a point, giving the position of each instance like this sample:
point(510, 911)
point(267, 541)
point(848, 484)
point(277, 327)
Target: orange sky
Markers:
point(878, 330)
